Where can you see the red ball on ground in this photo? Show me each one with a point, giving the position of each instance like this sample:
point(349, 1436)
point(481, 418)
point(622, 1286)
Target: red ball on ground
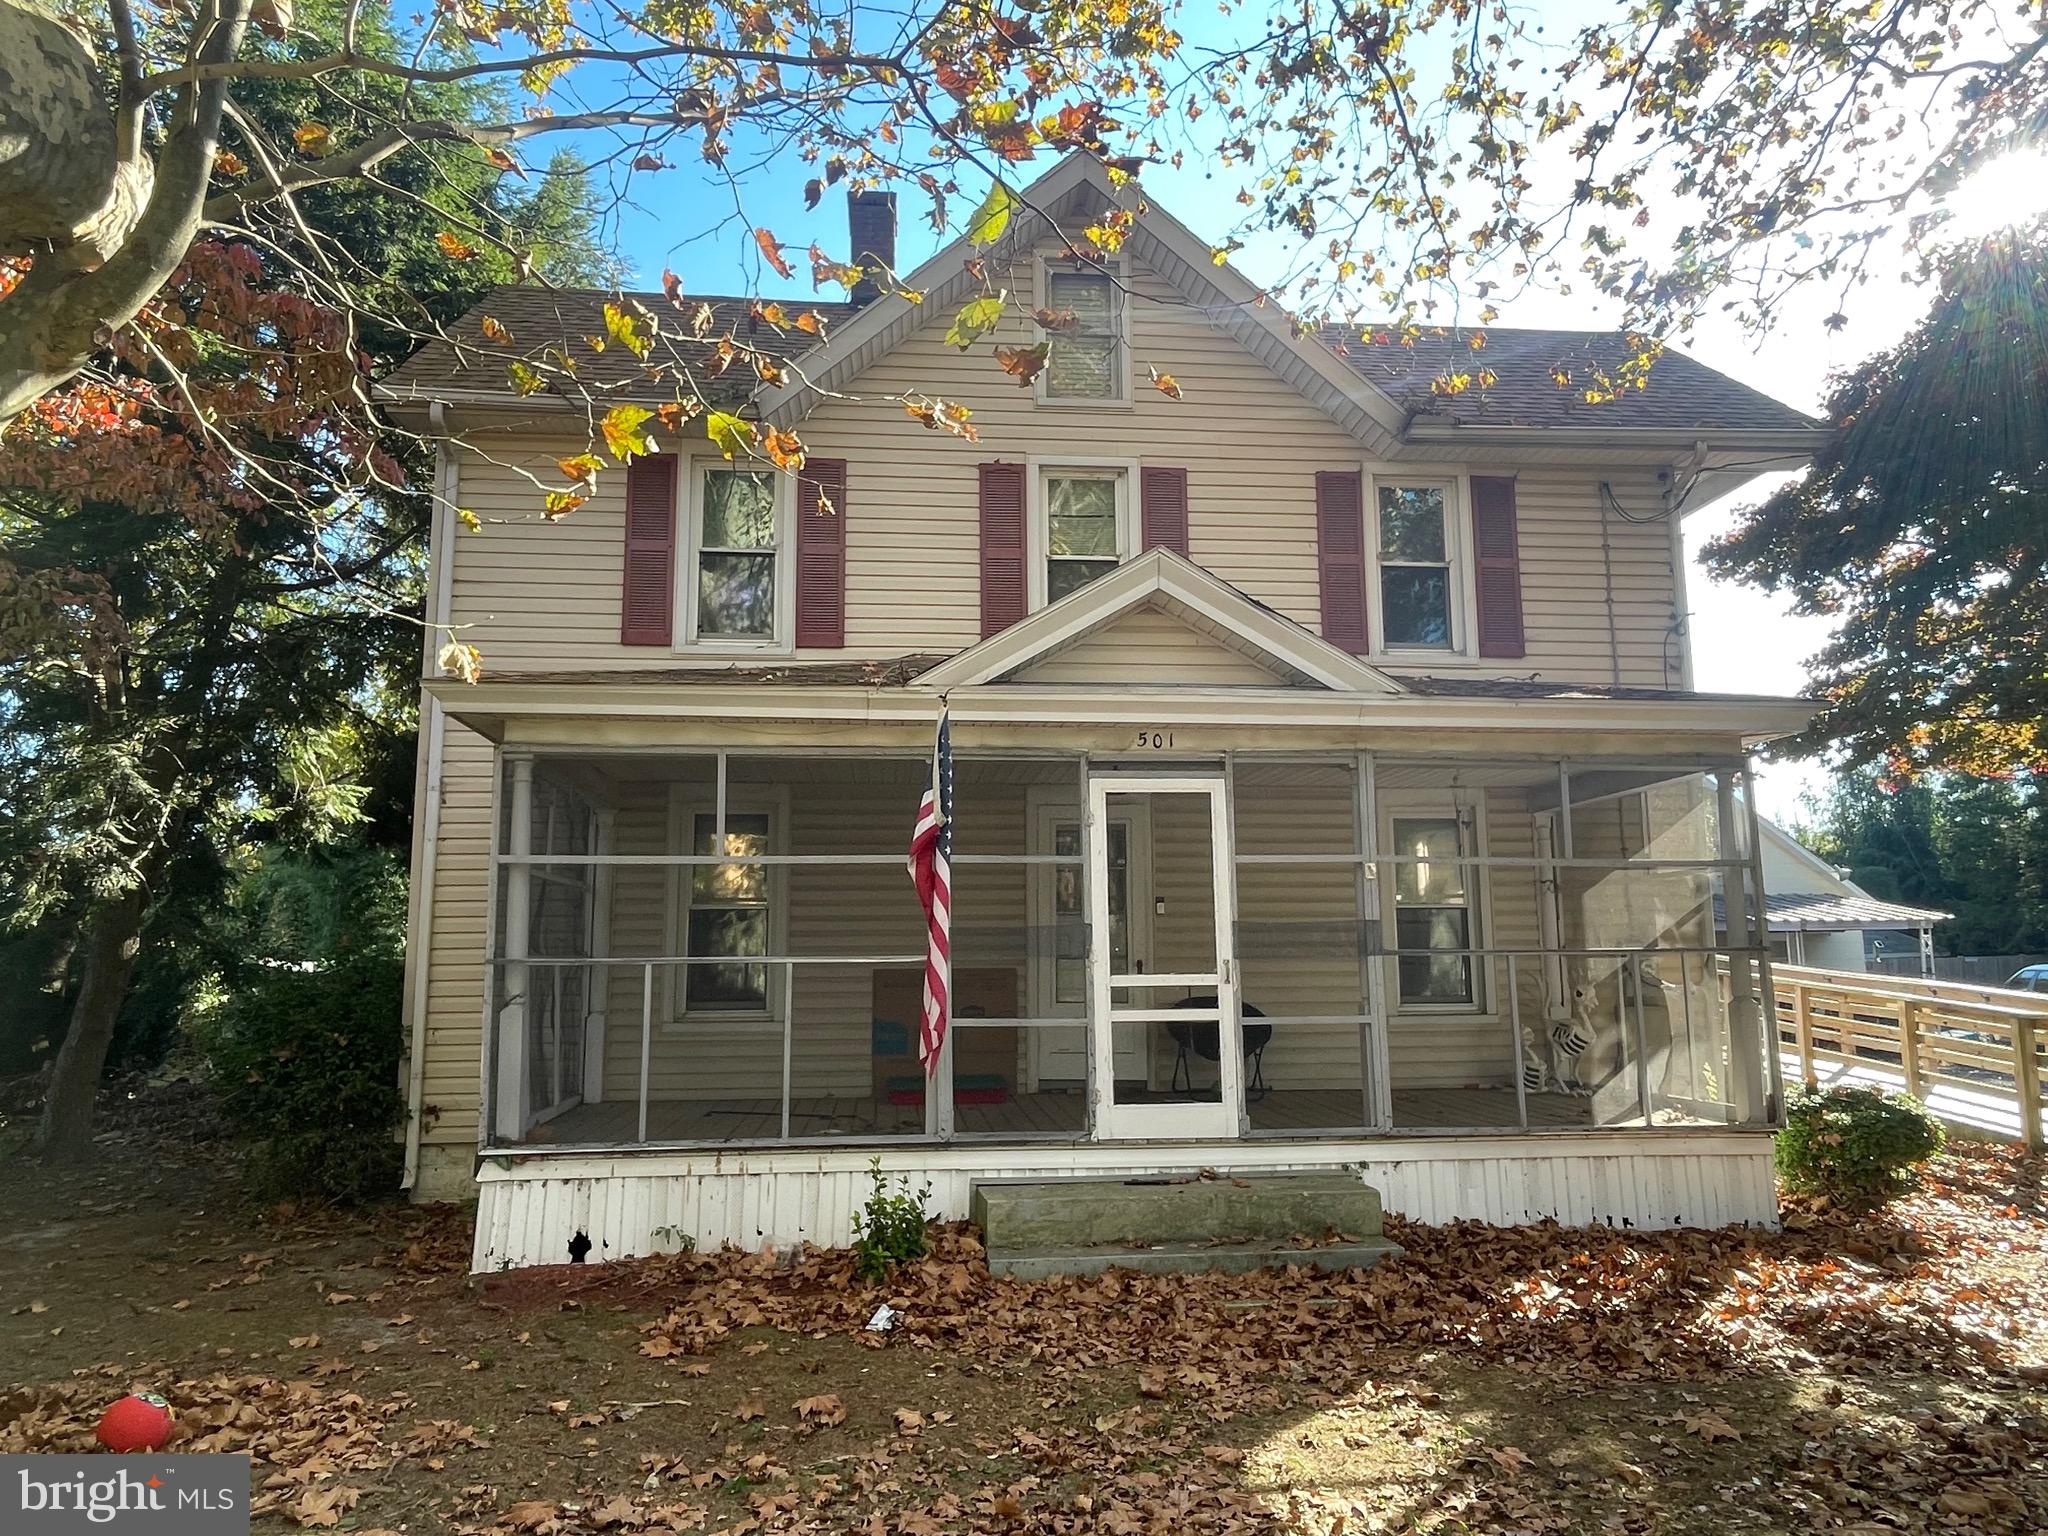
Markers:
point(138, 1422)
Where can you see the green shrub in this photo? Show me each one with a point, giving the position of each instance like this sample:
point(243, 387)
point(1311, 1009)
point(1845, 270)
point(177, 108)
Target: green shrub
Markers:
point(1855, 1145)
point(306, 1065)
point(890, 1228)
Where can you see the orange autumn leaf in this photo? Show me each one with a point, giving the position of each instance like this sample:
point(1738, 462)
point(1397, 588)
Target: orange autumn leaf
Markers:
point(1165, 383)
point(783, 449)
point(453, 248)
point(494, 330)
point(1024, 363)
point(771, 251)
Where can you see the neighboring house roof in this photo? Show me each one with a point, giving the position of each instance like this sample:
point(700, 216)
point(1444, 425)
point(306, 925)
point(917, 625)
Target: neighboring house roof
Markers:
point(1828, 912)
point(1541, 379)
point(1374, 390)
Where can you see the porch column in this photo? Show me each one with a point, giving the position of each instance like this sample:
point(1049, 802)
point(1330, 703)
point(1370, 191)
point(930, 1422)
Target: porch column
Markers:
point(597, 990)
point(509, 1123)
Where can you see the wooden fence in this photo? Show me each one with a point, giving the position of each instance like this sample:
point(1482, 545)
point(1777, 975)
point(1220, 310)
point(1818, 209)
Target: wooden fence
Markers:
point(1973, 1054)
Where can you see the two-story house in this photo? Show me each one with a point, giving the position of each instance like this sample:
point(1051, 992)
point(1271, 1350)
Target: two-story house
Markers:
point(1329, 786)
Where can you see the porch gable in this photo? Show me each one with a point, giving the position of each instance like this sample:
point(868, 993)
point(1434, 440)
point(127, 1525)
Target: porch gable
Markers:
point(1159, 618)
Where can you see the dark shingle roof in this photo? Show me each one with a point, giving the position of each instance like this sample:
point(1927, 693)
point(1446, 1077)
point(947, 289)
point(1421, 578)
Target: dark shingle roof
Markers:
point(465, 363)
point(1682, 393)
point(1539, 688)
point(892, 673)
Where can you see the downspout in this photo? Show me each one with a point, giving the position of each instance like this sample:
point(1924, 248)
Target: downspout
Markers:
point(1678, 484)
point(426, 831)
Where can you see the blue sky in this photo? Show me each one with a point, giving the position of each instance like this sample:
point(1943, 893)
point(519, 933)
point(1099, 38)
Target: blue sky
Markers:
point(1743, 640)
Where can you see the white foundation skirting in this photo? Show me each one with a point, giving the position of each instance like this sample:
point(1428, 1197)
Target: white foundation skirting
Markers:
point(530, 1209)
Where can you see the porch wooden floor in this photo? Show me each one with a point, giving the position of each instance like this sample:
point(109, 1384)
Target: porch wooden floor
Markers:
point(1030, 1115)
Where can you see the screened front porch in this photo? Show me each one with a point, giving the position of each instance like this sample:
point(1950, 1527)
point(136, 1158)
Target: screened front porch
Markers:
point(724, 949)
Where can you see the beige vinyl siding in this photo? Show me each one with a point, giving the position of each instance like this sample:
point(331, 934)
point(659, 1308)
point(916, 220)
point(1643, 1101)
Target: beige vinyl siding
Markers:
point(1564, 610)
point(1148, 646)
point(453, 1062)
point(533, 594)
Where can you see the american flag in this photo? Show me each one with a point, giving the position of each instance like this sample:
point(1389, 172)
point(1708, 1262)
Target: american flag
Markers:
point(931, 870)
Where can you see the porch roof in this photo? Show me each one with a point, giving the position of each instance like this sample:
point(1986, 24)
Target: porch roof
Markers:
point(891, 697)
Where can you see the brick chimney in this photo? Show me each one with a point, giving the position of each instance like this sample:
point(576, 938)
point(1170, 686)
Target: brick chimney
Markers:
point(871, 224)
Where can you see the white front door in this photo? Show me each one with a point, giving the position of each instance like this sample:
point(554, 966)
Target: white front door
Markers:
point(1182, 1010)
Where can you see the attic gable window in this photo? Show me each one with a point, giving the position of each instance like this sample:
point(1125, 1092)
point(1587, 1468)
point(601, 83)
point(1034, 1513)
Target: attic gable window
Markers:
point(1088, 360)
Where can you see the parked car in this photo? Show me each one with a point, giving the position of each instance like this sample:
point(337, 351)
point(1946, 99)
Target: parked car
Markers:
point(2030, 978)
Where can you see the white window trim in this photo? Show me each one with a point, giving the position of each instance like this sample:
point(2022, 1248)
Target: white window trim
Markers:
point(685, 803)
point(1464, 590)
point(689, 519)
point(1407, 805)
point(1046, 261)
point(1040, 468)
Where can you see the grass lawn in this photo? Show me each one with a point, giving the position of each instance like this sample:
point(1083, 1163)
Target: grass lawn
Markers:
point(1863, 1376)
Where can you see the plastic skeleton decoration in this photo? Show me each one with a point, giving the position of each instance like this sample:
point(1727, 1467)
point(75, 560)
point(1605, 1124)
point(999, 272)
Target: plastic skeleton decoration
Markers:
point(1568, 1042)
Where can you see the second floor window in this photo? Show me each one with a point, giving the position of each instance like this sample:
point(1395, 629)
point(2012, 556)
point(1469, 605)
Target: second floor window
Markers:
point(1084, 528)
point(738, 548)
point(1087, 359)
point(1415, 571)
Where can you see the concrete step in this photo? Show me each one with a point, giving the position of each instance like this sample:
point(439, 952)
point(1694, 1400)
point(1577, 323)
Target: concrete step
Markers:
point(1189, 1258)
point(1174, 1223)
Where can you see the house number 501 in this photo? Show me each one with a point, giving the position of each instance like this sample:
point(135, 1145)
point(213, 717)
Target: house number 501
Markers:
point(1155, 739)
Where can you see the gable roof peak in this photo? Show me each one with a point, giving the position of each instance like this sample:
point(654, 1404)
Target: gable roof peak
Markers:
point(1162, 579)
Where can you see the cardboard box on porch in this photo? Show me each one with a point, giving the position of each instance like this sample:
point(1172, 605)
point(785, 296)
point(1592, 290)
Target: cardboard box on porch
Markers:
point(984, 1060)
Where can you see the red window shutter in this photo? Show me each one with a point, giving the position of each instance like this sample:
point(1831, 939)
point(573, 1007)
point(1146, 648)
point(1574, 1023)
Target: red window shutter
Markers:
point(1497, 563)
point(1340, 557)
point(821, 553)
point(1002, 547)
point(1163, 509)
point(647, 601)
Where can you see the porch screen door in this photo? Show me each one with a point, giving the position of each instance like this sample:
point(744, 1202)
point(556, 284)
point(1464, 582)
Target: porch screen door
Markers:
point(1185, 1007)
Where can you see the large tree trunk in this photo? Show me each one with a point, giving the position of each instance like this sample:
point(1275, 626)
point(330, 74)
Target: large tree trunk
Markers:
point(129, 224)
point(64, 182)
point(112, 941)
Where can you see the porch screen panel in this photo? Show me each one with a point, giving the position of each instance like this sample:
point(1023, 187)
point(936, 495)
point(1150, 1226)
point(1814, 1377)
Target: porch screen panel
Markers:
point(1020, 947)
point(852, 1021)
point(1651, 1011)
point(543, 977)
point(1301, 946)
